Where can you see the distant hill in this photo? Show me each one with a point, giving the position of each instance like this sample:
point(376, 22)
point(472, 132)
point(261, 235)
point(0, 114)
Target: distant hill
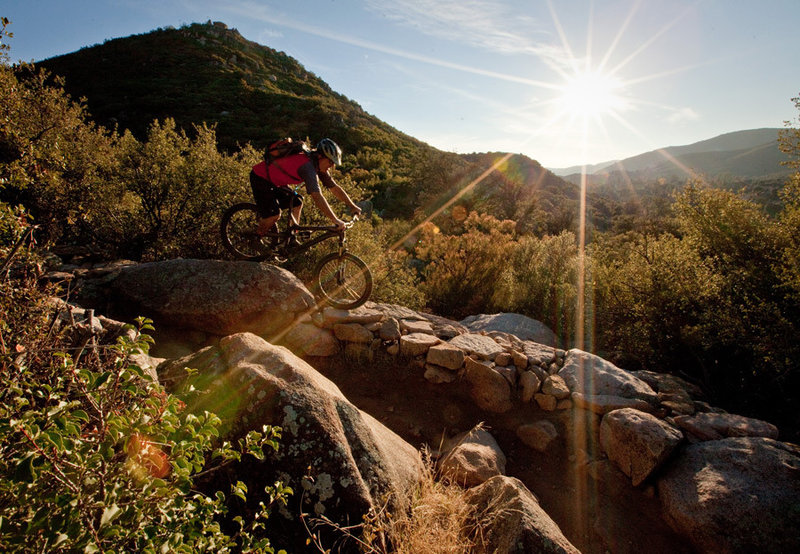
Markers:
point(750, 154)
point(577, 169)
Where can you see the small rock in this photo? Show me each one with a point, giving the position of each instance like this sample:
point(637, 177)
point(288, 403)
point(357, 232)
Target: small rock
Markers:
point(489, 389)
point(520, 360)
point(545, 401)
point(417, 344)
point(555, 386)
point(438, 375)
point(390, 329)
point(410, 326)
point(352, 332)
point(637, 442)
point(537, 435)
point(530, 384)
point(446, 355)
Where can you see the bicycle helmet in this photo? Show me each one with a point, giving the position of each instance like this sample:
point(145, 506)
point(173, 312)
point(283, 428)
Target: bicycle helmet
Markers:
point(330, 150)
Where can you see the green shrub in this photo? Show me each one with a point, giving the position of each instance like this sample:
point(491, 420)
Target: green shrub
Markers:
point(462, 270)
point(94, 454)
point(542, 283)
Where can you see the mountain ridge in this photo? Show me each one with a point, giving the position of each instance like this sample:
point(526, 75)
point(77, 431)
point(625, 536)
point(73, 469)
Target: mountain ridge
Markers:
point(750, 153)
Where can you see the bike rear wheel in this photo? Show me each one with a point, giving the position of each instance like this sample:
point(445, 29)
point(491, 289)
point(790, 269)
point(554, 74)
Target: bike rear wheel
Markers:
point(342, 280)
point(238, 232)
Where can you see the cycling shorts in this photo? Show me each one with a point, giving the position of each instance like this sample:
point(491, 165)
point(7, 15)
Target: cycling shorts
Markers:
point(270, 199)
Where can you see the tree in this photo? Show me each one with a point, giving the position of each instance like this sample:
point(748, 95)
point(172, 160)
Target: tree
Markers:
point(175, 187)
point(52, 159)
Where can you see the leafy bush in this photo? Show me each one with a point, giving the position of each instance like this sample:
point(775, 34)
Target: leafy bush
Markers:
point(462, 270)
point(94, 454)
point(542, 281)
point(715, 304)
point(51, 158)
point(654, 299)
point(173, 191)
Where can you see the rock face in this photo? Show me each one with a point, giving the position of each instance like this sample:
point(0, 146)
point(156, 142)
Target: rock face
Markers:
point(735, 495)
point(515, 324)
point(472, 458)
point(212, 296)
point(591, 375)
point(711, 426)
point(343, 461)
point(516, 523)
point(638, 443)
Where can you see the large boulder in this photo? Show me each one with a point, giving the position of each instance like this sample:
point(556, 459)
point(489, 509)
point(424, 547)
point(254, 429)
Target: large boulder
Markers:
point(735, 495)
point(213, 296)
point(637, 442)
point(488, 388)
point(591, 375)
point(514, 522)
point(713, 426)
point(340, 461)
point(472, 458)
point(514, 324)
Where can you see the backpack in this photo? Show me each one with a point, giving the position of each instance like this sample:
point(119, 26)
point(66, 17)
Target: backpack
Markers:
point(281, 148)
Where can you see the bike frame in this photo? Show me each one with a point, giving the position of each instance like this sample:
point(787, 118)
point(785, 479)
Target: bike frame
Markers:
point(329, 232)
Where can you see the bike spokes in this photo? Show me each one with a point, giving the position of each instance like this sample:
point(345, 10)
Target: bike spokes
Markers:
point(344, 281)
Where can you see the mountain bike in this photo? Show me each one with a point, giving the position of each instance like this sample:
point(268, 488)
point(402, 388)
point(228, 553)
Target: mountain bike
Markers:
point(340, 279)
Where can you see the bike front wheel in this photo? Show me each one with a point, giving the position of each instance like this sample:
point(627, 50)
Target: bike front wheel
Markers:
point(342, 280)
point(238, 232)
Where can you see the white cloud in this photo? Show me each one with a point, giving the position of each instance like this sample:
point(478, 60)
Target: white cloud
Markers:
point(485, 24)
point(267, 34)
point(679, 115)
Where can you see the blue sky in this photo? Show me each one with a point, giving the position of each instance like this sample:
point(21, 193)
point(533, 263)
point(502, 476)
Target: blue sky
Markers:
point(564, 82)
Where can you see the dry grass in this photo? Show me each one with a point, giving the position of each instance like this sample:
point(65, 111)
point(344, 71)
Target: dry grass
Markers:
point(438, 520)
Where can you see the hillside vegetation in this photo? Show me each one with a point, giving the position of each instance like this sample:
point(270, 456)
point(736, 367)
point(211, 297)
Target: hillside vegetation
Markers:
point(696, 280)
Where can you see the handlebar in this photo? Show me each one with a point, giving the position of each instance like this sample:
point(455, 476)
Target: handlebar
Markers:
point(347, 224)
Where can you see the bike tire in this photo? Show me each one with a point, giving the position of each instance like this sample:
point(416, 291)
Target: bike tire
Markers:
point(342, 280)
point(237, 230)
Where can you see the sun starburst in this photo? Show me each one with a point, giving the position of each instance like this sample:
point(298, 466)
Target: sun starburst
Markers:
point(591, 93)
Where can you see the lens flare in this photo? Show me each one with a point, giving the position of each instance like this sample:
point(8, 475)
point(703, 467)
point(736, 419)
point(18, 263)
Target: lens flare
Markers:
point(591, 93)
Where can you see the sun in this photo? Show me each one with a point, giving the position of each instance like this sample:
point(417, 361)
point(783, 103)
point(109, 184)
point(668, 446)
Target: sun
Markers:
point(590, 93)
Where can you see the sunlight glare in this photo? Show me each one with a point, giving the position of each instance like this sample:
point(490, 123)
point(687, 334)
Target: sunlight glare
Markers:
point(591, 94)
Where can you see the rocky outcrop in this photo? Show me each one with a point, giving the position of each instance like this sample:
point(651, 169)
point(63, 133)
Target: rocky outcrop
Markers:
point(715, 426)
point(513, 324)
point(637, 442)
point(209, 296)
point(341, 461)
point(472, 458)
point(591, 375)
point(724, 482)
point(513, 520)
point(735, 495)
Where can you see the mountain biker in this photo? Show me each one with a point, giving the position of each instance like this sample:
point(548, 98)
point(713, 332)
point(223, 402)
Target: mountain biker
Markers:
point(270, 184)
